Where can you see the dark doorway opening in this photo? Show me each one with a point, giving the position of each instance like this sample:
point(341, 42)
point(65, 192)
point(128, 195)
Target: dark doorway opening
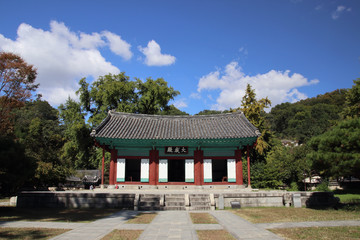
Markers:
point(132, 170)
point(219, 170)
point(176, 170)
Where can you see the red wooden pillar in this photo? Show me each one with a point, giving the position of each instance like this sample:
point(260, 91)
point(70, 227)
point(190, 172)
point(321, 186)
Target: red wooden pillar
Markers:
point(154, 167)
point(239, 168)
point(248, 164)
point(102, 167)
point(112, 172)
point(198, 167)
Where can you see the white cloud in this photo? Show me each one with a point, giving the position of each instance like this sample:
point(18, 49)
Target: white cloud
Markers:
point(181, 103)
point(153, 55)
point(278, 86)
point(118, 46)
point(62, 57)
point(340, 10)
point(195, 96)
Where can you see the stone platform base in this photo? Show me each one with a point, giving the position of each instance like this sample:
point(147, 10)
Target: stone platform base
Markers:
point(130, 199)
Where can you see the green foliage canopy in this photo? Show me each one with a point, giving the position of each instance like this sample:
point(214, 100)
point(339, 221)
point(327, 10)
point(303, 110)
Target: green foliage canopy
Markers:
point(79, 147)
point(307, 118)
point(38, 129)
point(336, 153)
point(117, 92)
point(254, 110)
point(352, 104)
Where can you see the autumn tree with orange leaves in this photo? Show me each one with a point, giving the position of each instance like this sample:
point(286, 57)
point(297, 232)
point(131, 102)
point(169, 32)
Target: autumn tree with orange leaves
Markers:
point(16, 86)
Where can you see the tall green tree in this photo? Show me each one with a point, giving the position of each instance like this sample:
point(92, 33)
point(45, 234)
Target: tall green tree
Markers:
point(254, 110)
point(37, 128)
point(79, 148)
point(117, 92)
point(352, 104)
point(274, 171)
point(336, 153)
point(154, 96)
point(109, 92)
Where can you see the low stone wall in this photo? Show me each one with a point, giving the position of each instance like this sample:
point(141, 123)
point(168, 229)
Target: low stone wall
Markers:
point(278, 199)
point(75, 200)
point(129, 200)
point(318, 199)
point(252, 199)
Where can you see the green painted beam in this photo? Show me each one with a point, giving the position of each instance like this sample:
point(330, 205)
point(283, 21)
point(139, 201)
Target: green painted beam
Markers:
point(149, 143)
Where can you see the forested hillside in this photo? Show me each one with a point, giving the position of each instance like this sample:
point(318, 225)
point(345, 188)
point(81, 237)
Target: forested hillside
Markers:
point(307, 118)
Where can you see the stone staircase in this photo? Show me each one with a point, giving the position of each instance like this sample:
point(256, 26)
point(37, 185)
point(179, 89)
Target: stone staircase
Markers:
point(149, 202)
point(199, 202)
point(174, 202)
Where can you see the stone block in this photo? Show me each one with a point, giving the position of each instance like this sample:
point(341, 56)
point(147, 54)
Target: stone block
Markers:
point(235, 204)
point(221, 202)
point(13, 201)
point(297, 200)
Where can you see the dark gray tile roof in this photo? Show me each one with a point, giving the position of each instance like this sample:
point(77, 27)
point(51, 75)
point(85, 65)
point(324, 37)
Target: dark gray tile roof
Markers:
point(141, 126)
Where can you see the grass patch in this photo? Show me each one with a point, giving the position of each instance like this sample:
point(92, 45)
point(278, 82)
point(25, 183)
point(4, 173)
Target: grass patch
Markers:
point(202, 218)
point(279, 214)
point(319, 233)
point(348, 197)
point(142, 218)
point(214, 235)
point(123, 235)
point(29, 233)
point(53, 214)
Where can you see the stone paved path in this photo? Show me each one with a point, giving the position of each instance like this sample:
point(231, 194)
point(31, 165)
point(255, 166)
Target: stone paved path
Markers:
point(242, 229)
point(171, 225)
point(97, 229)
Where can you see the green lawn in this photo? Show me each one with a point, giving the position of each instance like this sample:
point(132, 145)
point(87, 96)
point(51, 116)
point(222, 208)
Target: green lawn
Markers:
point(348, 197)
point(123, 235)
point(202, 218)
point(214, 235)
point(320, 233)
point(142, 218)
point(53, 214)
point(283, 214)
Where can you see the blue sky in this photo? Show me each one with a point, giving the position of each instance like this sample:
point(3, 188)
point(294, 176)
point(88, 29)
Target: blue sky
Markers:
point(208, 50)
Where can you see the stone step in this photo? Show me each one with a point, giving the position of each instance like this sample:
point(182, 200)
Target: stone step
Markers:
point(175, 195)
point(149, 204)
point(149, 199)
point(174, 204)
point(168, 199)
point(174, 208)
point(199, 195)
point(149, 195)
point(200, 204)
point(202, 199)
point(196, 208)
point(143, 208)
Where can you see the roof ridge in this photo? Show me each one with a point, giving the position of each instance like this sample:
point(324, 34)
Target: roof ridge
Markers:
point(113, 112)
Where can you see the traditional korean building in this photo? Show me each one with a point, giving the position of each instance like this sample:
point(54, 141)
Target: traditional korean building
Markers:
point(183, 150)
